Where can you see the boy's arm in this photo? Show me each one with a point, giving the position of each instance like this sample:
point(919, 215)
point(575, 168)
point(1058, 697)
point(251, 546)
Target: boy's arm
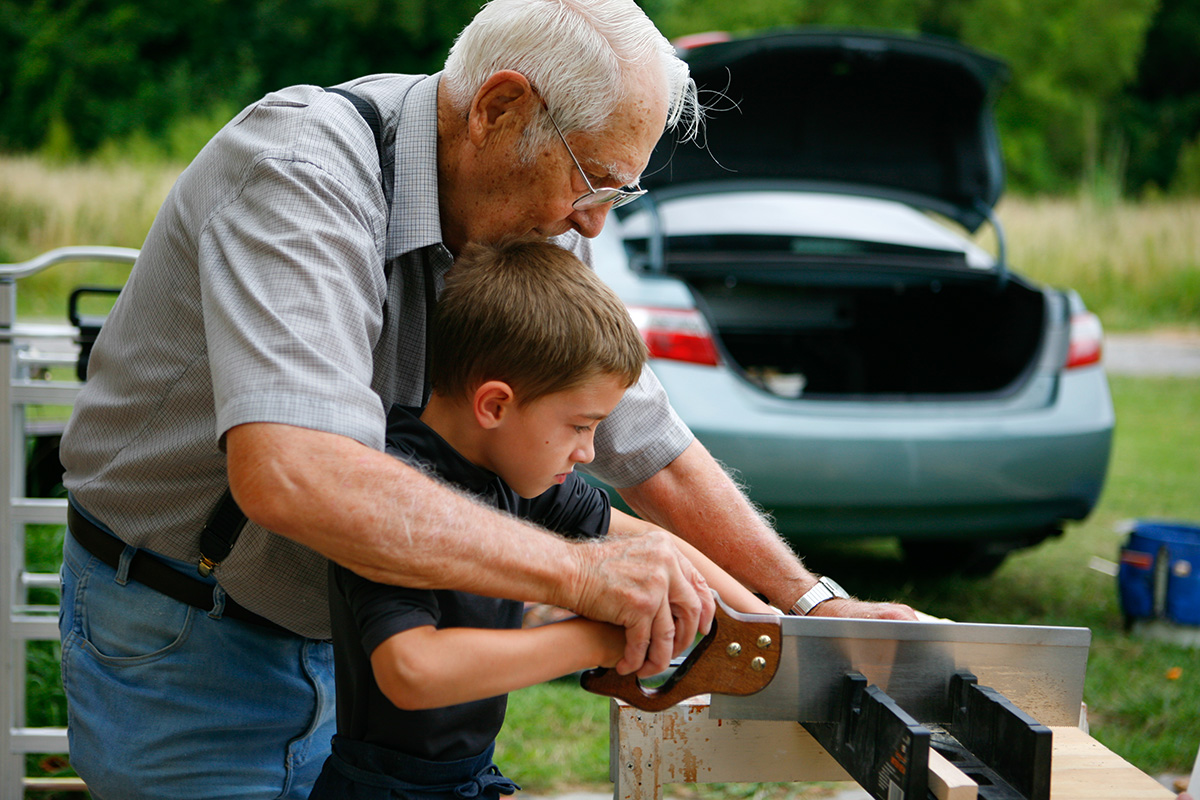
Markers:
point(427, 667)
point(733, 593)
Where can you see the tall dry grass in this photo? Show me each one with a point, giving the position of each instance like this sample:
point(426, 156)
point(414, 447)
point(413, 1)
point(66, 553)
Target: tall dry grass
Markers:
point(44, 206)
point(1136, 264)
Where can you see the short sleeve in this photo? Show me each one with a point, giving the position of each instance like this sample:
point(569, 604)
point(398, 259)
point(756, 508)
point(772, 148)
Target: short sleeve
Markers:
point(293, 288)
point(381, 611)
point(642, 435)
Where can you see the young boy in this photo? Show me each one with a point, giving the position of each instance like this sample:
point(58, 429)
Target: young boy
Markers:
point(530, 352)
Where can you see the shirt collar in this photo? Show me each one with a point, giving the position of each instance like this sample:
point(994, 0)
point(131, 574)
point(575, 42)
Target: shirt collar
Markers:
point(421, 445)
point(415, 221)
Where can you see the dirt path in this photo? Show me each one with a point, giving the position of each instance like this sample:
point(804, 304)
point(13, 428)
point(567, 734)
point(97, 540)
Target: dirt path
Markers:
point(1165, 352)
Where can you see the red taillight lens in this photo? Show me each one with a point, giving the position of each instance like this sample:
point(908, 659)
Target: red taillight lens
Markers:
point(1087, 337)
point(676, 334)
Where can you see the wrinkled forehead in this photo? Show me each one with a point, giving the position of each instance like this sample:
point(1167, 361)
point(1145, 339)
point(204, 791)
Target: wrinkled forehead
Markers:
point(622, 149)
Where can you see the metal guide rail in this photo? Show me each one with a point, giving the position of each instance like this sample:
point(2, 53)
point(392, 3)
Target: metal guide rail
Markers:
point(43, 365)
point(995, 749)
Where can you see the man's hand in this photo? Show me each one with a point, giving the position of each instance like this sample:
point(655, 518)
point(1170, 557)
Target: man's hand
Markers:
point(642, 582)
point(861, 609)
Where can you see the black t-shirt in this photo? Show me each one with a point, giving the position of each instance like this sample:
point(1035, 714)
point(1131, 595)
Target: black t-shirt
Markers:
point(365, 613)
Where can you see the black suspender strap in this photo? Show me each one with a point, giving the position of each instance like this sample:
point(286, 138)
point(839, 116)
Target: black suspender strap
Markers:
point(371, 115)
point(368, 113)
point(430, 304)
point(226, 522)
point(220, 533)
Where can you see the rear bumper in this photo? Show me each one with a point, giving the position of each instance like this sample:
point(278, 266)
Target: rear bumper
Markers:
point(865, 469)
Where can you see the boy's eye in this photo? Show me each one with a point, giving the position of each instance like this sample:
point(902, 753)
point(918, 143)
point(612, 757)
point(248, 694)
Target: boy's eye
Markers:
point(582, 428)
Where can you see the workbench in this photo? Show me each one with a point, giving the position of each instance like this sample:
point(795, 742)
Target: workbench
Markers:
point(684, 745)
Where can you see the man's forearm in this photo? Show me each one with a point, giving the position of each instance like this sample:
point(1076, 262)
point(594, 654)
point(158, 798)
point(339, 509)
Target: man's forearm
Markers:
point(392, 524)
point(733, 593)
point(695, 499)
point(387, 521)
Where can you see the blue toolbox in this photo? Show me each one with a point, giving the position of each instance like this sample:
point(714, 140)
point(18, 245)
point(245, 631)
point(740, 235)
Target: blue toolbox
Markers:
point(1159, 575)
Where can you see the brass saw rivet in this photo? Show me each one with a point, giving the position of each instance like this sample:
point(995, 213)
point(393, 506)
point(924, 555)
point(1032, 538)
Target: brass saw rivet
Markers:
point(733, 650)
point(758, 664)
point(764, 642)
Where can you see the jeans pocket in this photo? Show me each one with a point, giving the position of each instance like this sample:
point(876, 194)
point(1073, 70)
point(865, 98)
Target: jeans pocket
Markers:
point(128, 624)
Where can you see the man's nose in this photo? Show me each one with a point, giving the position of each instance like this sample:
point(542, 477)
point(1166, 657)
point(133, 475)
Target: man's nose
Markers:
point(590, 221)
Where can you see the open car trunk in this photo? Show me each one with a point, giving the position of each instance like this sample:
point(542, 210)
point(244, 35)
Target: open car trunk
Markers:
point(898, 324)
point(884, 314)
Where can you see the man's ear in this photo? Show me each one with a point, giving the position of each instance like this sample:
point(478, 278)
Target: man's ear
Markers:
point(505, 99)
point(492, 402)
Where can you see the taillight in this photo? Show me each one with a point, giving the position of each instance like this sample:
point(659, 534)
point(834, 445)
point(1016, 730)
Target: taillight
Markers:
point(1087, 337)
point(676, 334)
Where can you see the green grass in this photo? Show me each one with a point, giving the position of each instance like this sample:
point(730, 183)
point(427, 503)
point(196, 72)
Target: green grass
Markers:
point(1134, 708)
point(45, 206)
point(1137, 265)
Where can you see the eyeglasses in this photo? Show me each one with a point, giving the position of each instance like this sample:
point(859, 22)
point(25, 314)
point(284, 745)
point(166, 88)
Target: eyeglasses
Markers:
point(594, 197)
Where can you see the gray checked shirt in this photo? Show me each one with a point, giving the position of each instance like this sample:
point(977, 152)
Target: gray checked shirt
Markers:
point(261, 295)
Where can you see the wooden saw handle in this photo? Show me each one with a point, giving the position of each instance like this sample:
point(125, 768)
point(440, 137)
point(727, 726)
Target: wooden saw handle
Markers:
point(739, 656)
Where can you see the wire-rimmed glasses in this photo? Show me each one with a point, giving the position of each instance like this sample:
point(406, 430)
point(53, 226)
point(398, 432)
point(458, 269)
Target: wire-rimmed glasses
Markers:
point(594, 197)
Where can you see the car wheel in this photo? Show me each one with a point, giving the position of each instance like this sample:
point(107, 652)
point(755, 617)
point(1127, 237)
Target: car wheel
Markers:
point(935, 558)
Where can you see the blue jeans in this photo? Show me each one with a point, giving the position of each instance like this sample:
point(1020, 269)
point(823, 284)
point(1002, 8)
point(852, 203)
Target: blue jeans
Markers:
point(166, 702)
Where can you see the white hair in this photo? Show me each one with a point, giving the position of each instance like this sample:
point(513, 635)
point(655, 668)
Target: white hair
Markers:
point(580, 55)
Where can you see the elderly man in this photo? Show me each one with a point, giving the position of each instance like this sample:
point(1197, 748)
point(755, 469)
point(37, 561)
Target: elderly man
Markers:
point(278, 307)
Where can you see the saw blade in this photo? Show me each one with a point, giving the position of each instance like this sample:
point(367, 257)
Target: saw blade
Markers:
point(1041, 669)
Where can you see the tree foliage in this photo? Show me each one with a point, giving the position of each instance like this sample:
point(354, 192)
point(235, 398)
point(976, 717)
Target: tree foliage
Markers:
point(1160, 113)
point(107, 68)
point(1099, 87)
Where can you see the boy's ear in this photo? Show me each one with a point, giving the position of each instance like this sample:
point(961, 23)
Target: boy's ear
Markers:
point(492, 401)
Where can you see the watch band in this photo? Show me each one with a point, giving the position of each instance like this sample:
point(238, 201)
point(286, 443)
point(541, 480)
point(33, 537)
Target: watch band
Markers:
point(824, 589)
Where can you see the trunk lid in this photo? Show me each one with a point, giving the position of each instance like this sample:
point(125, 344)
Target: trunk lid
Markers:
point(899, 117)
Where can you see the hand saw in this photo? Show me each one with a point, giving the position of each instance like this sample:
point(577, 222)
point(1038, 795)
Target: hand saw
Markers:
point(802, 662)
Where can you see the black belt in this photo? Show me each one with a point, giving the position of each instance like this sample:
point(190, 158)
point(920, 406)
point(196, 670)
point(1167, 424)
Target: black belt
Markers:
point(149, 571)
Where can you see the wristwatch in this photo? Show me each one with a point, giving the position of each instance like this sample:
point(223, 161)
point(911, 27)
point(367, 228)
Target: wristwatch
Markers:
point(824, 589)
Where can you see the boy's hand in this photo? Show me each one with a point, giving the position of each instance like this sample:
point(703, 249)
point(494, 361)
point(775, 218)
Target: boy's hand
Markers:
point(642, 583)
point(610, 641)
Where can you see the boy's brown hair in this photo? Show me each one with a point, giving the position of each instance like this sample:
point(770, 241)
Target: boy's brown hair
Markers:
point(529, 313)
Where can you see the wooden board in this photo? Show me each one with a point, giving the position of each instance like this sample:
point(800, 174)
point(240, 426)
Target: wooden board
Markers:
point(683, 745)
point(1084, 769)
point(948, 782)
